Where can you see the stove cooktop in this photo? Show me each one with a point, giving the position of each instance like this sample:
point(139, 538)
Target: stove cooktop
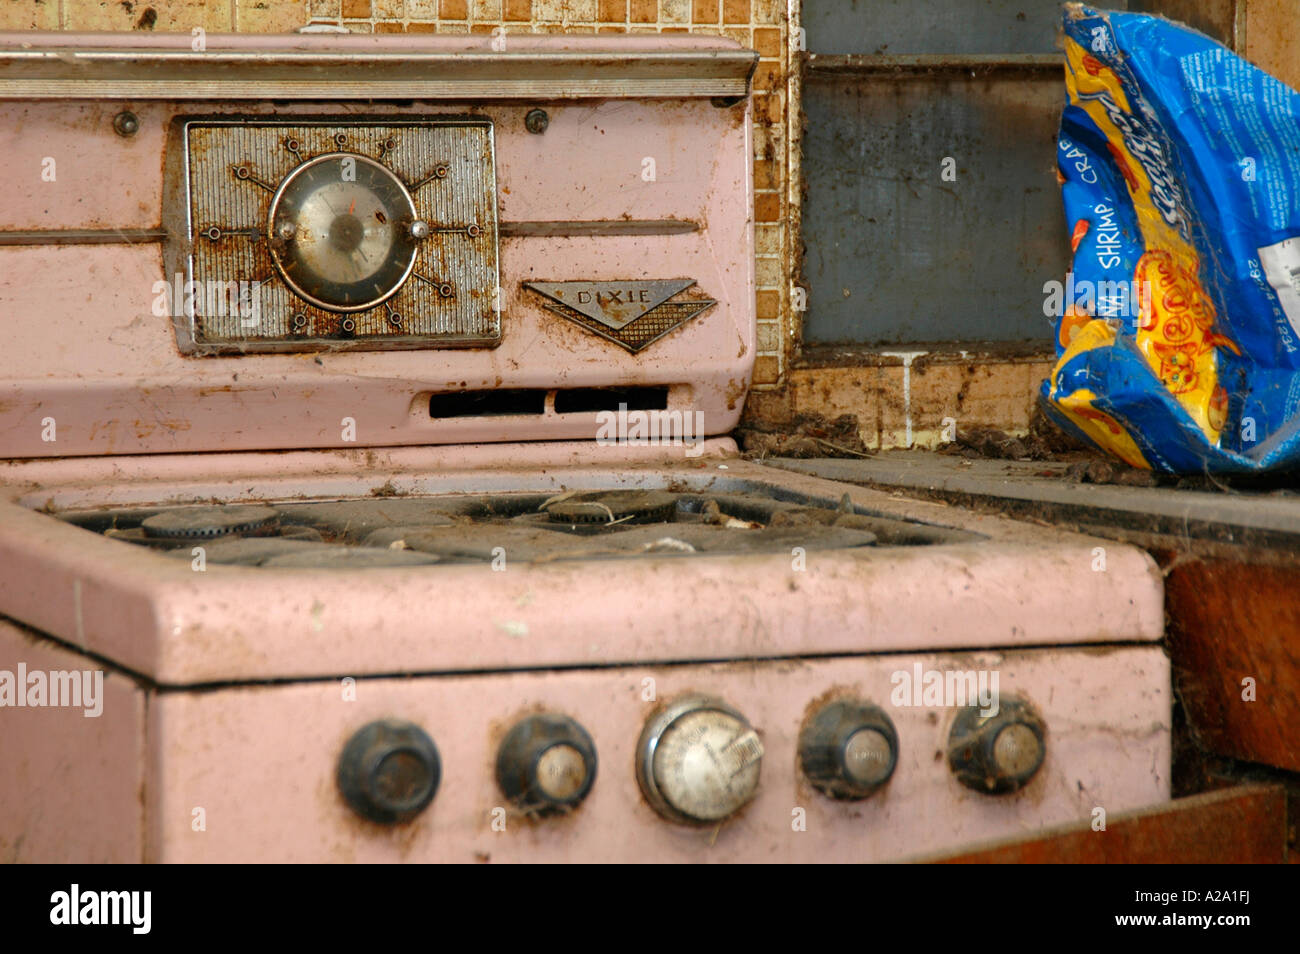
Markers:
point(490, 528)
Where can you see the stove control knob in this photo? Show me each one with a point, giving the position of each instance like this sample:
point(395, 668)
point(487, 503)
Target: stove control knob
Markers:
point(698, 761)
point(389, 771)
point(998, 752)
point(546, 764)
point(848, 749)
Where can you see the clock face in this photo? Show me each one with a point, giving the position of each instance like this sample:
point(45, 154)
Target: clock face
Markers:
point(339, 230)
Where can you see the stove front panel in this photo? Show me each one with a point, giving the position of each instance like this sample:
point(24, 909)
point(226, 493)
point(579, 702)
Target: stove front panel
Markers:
point(72, 789)
point(258, 763)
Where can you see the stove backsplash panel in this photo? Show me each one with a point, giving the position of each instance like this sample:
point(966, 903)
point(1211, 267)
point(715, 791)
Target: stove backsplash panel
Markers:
point(632, 213)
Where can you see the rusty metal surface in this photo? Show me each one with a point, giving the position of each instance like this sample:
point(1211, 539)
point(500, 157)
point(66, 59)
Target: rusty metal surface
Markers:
point(934, 26)
point(1215, 18)
point(1243, 825)
point(866, 63)
point(896, 252)
point(448, 168)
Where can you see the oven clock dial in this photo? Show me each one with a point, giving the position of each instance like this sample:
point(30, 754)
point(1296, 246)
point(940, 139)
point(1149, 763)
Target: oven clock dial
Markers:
point(698, 761)
point(343, 232)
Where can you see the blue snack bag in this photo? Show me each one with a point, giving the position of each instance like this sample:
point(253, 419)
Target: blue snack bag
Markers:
point(1178, 346)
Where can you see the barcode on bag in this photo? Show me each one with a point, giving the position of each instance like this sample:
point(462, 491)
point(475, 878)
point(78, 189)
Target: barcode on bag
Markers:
point(1281, 264)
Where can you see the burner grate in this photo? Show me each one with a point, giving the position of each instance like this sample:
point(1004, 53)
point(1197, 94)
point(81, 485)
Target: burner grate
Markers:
point(521, 527)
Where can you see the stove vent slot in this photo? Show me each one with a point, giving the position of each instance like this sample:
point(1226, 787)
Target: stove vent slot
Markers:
point(497, 403)
point(594, 400)
point(532, 402)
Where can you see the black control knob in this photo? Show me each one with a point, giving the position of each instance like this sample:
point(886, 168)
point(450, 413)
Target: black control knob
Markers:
point(546, 764)
point(848, 749)
point(999, 752)
point(389, 771)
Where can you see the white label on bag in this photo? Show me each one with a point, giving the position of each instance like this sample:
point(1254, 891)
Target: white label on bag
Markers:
point(1281, 264)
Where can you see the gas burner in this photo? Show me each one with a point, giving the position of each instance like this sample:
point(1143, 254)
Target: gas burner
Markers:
point(619, 506)
point(194, 523)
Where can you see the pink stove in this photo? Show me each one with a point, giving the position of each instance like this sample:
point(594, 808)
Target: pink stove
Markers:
point(366, 493)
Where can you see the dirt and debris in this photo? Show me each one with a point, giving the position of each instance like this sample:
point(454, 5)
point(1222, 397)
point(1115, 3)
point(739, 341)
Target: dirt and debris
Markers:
point(1100, 470)
point(813, 435)
point(990, 443)
point(1044, 441)
point(1047, 442)
point(807, 435)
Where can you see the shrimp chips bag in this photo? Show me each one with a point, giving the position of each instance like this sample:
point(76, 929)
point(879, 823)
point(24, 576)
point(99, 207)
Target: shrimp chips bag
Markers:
point(1178, 349)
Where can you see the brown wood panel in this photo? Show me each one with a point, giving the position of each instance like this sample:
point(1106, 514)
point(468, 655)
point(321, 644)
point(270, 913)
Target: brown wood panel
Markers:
point(1242, 825)
point(1232, 620)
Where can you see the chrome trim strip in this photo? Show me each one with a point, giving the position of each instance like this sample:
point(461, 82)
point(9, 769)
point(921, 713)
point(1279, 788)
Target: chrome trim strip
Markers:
point(597, 227)
point(116, 74)
point(563, 229)
point(83, 237)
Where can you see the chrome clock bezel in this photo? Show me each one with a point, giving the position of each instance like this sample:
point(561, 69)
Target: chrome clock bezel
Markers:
point(648, 746)
point(276, 245)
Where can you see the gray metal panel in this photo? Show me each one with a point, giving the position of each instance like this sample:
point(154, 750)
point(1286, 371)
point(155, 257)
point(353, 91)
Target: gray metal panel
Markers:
point(922, 259)
point(1215, 18)
point(934, 26)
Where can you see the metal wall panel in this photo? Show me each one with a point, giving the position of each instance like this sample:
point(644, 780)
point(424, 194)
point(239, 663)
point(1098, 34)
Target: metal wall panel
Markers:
point(1215, 18)
point(894, 253)
point(897, 27)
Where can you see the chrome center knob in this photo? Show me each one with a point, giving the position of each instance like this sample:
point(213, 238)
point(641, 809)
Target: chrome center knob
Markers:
point(561, 772)
point(848, 749)
point(1017, 750)
point(868, 757)
point(999, 753)
point(546, 764)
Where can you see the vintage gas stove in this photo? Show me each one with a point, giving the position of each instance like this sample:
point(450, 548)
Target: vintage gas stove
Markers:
point(365, 498)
